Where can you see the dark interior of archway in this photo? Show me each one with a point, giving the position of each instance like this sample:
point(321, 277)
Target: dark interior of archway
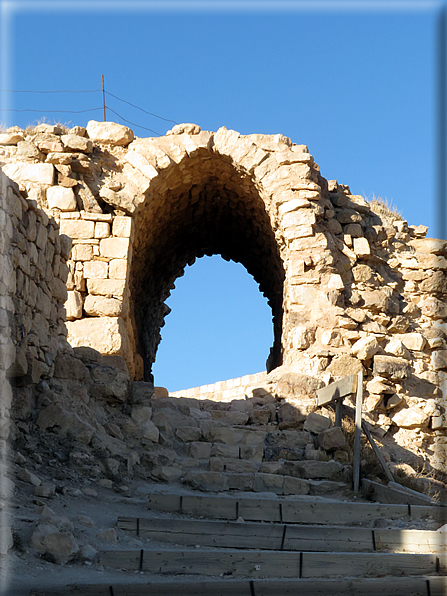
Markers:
point(217, 215)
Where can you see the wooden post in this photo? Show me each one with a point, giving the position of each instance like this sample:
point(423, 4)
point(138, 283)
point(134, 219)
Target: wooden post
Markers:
point(339, 412)
point(103, 98)
point(358, 430)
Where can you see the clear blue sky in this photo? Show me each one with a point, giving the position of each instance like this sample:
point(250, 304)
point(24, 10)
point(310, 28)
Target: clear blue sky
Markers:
point(356, 82)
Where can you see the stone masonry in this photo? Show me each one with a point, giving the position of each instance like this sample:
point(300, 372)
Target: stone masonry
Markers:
point(105, 222)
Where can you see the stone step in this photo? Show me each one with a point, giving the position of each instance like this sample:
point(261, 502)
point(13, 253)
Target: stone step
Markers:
point(267, 563)
point(187, 586)
point(216, 481)
point(298, 510)
point(287, 537)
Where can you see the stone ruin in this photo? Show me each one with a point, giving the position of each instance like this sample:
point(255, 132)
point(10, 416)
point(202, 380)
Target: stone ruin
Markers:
point(98, 224)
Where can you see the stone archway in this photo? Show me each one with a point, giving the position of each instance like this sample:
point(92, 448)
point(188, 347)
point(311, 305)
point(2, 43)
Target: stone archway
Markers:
point(208, 208)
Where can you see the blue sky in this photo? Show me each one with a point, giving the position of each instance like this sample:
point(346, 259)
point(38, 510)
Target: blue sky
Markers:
point(354, 81)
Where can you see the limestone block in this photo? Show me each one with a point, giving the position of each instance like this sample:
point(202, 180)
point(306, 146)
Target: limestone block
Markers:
point(48, 539)
point(102, 229)
point(296, 218)
point(74, 142)
point(295, 486)
point(396, 347)
point(141, 414)
point(335, 282)
point(61, 198)
point(412, 417)
point(375, 300)
point(433, 308)
point(82, 252)
point(199, 450)
point(379, 385)
point(77, 228)
point(41, 173)
point(331, 439)
point(186, 434)
point(439, 359)
point(361, 247)
point(289, 416)
point(390, 367)
point(109, 383)
point(114, 248)
point(141, 392)
point(10, 138)
point(99, 306)
point(108, 335)
point(432, 262)
point(206, 481)
point(118, 269)
point(187, 127)
point(142, 164)
point(26, 476)
point(73, 305)
point(268, 483)
point(429, 245)
point(329, 470)
point(106, 287)
point(354, 230)
point(122, 226)
point(316, 423)
point(302, 337)
point(59, 290)
point(96, 269)
point(150, 431)
point(109, 133)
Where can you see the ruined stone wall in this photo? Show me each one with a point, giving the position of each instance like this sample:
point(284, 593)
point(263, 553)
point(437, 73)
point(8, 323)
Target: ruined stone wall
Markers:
point(33, 273)
point(350, 284)
point(226, 391)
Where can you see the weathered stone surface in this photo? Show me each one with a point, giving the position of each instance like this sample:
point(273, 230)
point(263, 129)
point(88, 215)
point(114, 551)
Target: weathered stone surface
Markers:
point(41, 173)
point(141, 392)
point(61, 198)
point(109, 133)
point(66, 423)
point(439, 359)
point(100, 306)
point(295, 486)
point(188, 128)
point(10, 138)
point(74, 142)
point(108, 335)
point(365, 348)
point(73, 305)
point(330, 470)
point(26, 476)
point(96, 270)
point(390, 367)
point(114, 248)
point(77, 228)
point(316, 423)
point(188, 433)
point(106, 287)
point(47, 539)
point(411, 418)
point(109, 383)
point(331, 439)
point(434, 308)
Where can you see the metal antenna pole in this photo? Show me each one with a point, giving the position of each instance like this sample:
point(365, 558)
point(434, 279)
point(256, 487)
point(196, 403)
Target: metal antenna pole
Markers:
point(103, 98)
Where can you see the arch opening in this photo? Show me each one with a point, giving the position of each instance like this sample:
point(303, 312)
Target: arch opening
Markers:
point(219, 327)
point(213, 209)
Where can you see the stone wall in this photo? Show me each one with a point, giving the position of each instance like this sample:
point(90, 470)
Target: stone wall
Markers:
point(349, 282)
point(225, 391)
point(33, 273)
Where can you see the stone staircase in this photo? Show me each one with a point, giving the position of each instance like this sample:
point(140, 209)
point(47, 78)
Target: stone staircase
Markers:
point(241, 445)
point(246, 544)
